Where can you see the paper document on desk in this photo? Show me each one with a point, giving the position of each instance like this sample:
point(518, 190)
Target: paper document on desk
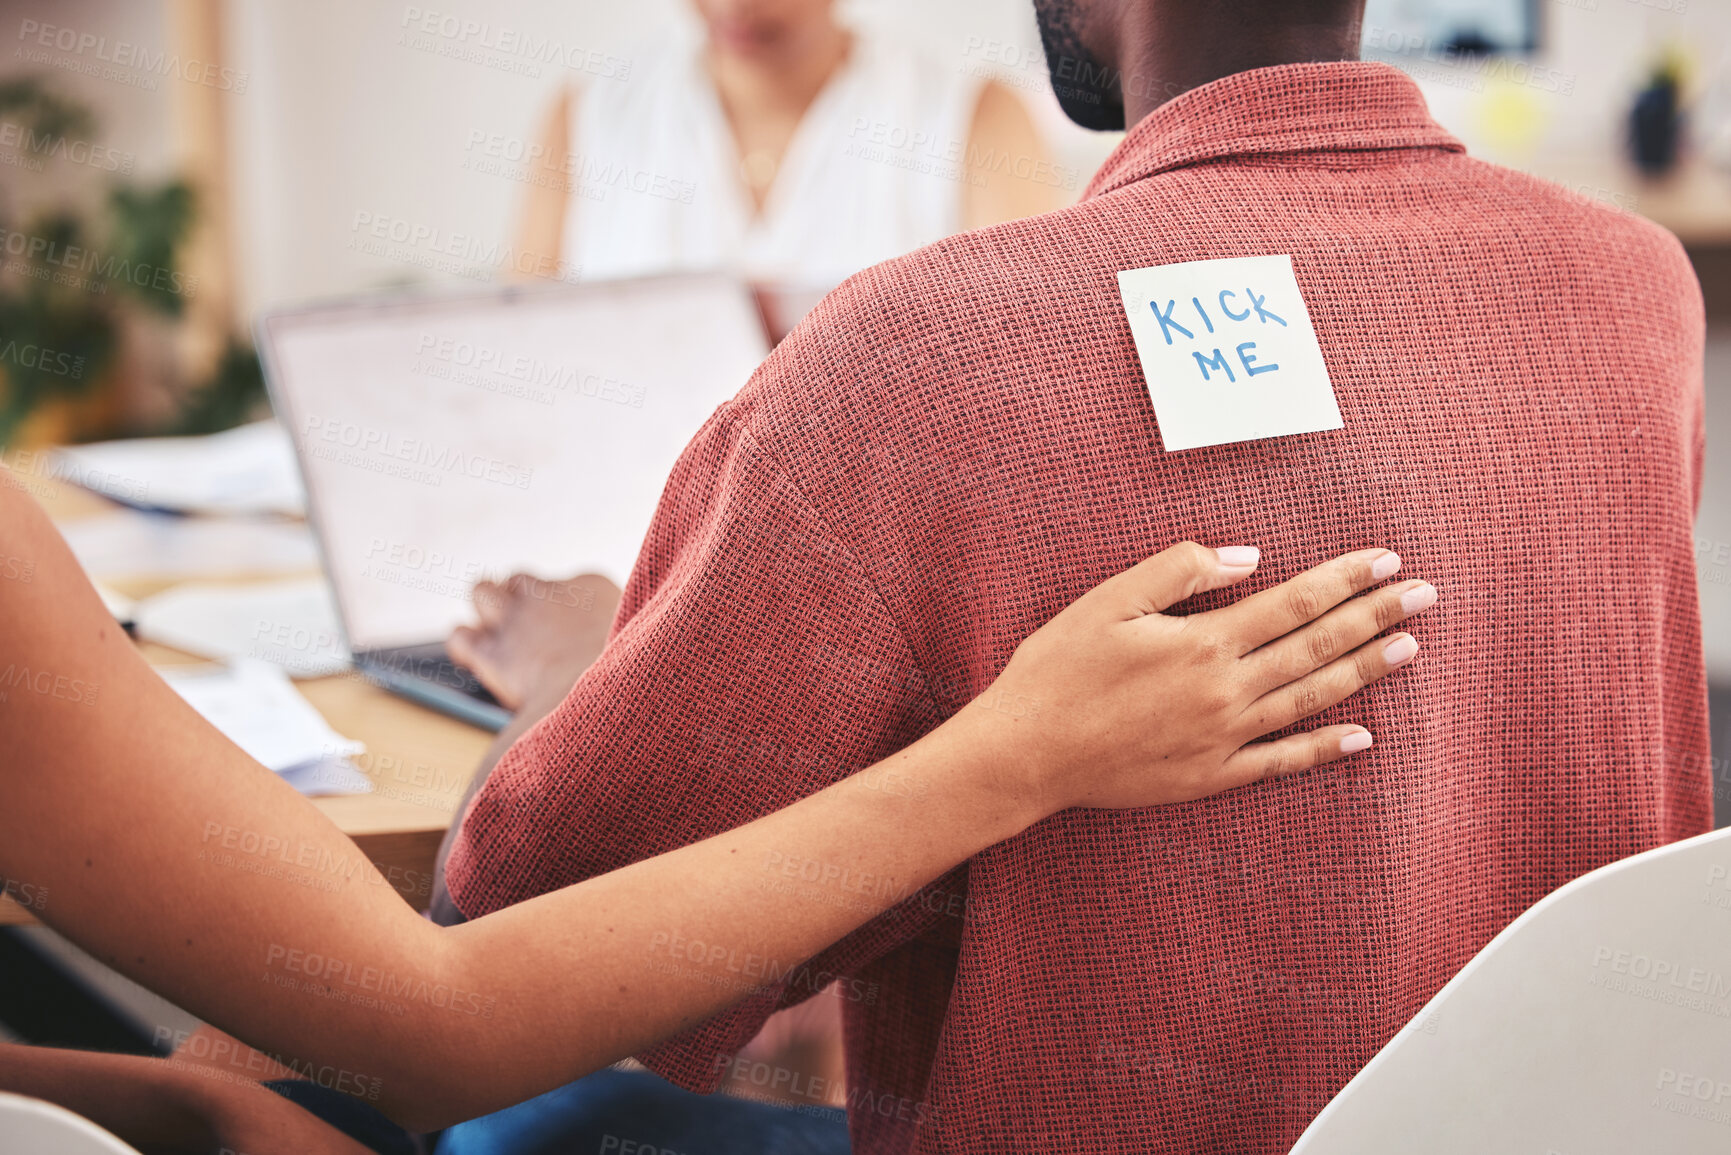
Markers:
point(246, 470)
point(126, 543)
point(256, 706)
point(292, 624)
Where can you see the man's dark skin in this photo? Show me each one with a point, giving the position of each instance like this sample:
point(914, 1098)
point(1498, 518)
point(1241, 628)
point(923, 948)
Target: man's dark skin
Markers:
point(1112, 62)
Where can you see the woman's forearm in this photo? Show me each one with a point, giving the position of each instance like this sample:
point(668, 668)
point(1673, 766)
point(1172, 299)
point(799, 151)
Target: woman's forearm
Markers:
point(182, 863)
point(665, 943)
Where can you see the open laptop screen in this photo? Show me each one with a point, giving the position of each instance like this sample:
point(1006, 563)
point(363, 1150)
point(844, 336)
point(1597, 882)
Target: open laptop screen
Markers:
point(445, 440)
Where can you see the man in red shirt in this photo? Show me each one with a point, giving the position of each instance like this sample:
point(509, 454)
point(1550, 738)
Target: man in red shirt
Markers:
point(958, 442)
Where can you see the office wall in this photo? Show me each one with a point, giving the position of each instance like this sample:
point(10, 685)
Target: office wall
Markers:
point(345, 116)
point(1572, 97)
point(134, 105)
point(353, 112)
point(343, 110)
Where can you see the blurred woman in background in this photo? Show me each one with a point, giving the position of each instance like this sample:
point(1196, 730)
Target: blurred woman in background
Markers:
point(780, 146)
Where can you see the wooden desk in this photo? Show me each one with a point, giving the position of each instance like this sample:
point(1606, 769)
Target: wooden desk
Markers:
point(420, 761)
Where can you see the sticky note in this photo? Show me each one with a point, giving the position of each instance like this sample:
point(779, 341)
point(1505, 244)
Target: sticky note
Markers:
point(1228, 351)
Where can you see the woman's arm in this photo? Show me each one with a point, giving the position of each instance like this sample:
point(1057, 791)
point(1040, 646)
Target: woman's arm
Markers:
point(1010, 170)
point(552, 177)
point(174, 858)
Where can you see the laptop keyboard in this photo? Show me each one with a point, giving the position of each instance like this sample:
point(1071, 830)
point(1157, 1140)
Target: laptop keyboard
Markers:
point(429, 663)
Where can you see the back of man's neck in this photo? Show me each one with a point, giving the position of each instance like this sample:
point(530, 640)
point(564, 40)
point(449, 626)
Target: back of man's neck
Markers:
point(1187, 46)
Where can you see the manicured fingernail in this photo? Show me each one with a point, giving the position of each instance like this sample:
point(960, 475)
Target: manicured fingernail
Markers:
point(1418, 598)
point(1385, 566)
point(1238, 556)
point(1356, 741)
point(1400, 649)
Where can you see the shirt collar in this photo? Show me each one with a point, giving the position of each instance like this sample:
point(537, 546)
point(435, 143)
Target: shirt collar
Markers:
point(1342, 105)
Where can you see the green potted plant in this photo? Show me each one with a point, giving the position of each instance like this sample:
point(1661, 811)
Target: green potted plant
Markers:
point(76, 288)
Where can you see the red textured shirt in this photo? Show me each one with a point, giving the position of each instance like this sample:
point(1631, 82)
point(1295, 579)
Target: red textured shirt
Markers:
point(959, 442)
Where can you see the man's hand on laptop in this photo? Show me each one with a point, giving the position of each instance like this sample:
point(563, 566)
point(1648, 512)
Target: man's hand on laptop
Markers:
point(1114, 703)
point(534, 638)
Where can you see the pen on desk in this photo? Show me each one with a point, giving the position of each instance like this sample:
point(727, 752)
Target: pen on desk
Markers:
point(122, 607)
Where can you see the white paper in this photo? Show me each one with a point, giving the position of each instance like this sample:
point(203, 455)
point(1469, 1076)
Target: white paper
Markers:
point(258, 708)
point(127, 543)
point(1228, 351)
point(291, 624)
point(246, 470)
point(331, 776)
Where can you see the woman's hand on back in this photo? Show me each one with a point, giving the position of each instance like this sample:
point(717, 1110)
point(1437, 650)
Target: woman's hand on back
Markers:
point(1115, 703)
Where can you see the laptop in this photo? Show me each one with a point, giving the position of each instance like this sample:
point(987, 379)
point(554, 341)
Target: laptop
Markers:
point(449, 439)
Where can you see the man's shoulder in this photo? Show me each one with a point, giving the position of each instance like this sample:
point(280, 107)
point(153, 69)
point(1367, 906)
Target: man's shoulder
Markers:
point(932, 329)
point(1595, 235)
point(1596, 218)
point(915, 321)
point(960, 275)
point(900, 365)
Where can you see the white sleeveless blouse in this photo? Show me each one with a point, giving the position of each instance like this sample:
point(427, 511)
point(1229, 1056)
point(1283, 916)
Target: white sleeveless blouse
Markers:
point(877, 167)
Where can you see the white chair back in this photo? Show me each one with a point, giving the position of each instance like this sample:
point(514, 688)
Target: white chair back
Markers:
point(32, 1127)
point(1597, 1021)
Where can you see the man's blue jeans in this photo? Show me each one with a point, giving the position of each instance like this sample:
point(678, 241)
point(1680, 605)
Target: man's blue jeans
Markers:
point(637, 1113)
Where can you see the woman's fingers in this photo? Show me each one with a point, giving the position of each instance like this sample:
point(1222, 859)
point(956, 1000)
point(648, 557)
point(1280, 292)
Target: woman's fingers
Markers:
point(1342, 629)
point(1276, 612)
point(1260, 760)
point(1170, 576)
point(1338, 680)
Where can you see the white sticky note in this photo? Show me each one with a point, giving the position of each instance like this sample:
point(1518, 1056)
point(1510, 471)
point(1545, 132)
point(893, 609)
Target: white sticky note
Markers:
point(1228, 351)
